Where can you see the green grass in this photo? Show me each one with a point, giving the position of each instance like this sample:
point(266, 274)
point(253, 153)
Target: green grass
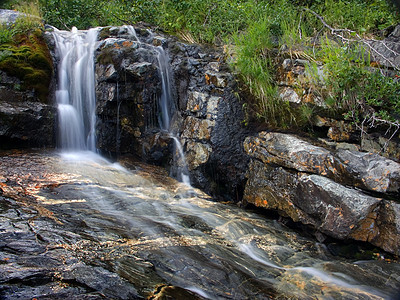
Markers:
point(258, 31)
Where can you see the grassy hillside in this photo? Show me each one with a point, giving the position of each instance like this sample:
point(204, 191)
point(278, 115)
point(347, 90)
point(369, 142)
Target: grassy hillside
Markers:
point(256, 31)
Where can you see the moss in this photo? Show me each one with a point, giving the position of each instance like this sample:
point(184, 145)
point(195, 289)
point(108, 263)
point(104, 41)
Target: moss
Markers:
point(104, 33)
point(106, 56)
point(28, 59)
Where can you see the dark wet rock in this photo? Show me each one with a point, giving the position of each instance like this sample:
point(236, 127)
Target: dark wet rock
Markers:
point(158, 148)
point(206, 114)
point(317, 187)
point(127, 89)
point(24, 121)
point(100, 280)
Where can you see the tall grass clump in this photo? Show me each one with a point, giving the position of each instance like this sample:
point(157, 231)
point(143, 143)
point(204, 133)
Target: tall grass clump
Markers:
point(256, 50)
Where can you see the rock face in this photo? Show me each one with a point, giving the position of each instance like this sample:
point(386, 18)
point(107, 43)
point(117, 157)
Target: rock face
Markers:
point(24, 120)
point(339, 194)
point(127, 90)
point(205, 115)
point(26, 114)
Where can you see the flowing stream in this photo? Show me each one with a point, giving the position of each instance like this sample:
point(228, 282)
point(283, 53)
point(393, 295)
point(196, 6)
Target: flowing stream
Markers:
point(149, 229)
point(140, 229)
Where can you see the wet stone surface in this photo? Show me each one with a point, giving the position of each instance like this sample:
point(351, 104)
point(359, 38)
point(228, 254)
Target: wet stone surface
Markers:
point(84, 228)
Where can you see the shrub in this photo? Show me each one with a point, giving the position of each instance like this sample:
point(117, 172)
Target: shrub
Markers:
point(354, 89)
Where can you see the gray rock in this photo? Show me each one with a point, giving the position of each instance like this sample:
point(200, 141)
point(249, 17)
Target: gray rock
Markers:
point(288, 94)
point(307, 184)
point(376, 173)
point(336, 210)
point(140, 69)
point(9, 16)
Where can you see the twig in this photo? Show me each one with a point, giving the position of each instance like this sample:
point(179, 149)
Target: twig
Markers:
point(340, 33)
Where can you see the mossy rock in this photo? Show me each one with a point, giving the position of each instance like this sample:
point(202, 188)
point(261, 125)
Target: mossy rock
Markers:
point(29, 60)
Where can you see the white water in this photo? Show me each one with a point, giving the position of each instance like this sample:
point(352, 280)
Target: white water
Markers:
point(75, 93)
point(166, 102)
point(167, 108)
point(221, 250)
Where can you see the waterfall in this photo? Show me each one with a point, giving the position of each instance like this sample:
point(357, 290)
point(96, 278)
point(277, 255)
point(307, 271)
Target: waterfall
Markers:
point(75, 93)
point(167, 108)
point(166, 102)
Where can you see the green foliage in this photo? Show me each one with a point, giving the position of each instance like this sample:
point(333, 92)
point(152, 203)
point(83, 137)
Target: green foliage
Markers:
point(359, 15)
point(259, 29)
point(6, 34)
point(355, 89)
point(255, 61)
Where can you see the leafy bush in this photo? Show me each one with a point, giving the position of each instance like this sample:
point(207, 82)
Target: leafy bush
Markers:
point(354, 89)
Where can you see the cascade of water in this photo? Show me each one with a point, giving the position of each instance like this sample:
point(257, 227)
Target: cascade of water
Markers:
point(76, 92)
point(166, 103)
point(167, 107)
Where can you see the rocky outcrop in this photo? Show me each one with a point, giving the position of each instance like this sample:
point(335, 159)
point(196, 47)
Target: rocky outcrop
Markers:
point(27, 124)
point(24, 120)
point(205, 114)
point(127, 91)
point(301, 84)
point(212, 124)
point(344, 194)
point(26, 112)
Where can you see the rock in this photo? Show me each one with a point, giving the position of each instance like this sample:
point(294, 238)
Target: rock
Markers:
point(106, 73)
point(26, 124)
point(217, 79)
point(294, 153)
point(388, 223)
point(385, 51)
point(196, 103)
point(307, 184)
point(376, 173)
point(197, 129)
point(339, 134)
point(140, 69)
point(381, 146)
point(157, 148)
point(174, 292)
point(264, 188)
point(336, 210)
point(127, 90)
point(101, 280)
point(197, 154)
point(9, 17)
point(288, 94)
point(365, 170)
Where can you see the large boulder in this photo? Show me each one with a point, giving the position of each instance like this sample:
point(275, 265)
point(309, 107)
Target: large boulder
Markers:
point(365, 170)
point(341, 195)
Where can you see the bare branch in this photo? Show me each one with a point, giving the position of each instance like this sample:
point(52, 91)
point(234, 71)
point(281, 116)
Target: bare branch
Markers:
point(356, 38)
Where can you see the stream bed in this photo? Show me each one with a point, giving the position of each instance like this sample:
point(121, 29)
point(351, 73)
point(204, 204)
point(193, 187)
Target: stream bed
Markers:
point(76, 226)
